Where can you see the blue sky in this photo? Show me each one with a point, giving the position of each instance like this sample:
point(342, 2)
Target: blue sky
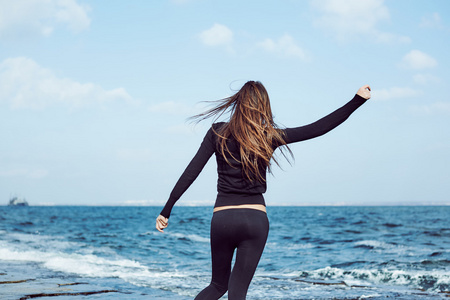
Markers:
point(94, 97)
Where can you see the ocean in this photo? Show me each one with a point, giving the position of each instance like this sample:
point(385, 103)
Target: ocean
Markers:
point(311, 253)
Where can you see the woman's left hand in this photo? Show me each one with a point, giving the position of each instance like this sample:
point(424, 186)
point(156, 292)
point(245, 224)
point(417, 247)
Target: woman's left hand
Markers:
point(364, 91)
point(161, 223)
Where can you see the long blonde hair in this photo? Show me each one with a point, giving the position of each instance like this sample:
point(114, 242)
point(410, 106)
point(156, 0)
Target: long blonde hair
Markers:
point(251, 124)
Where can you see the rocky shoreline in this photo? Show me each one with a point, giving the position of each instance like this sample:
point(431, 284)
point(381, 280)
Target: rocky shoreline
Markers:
point(33, 288)
point(20, 285)
point(20, 280)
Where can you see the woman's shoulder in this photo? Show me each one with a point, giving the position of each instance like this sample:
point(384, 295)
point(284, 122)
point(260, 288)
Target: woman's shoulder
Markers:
point(215, 127)
point(218, 125)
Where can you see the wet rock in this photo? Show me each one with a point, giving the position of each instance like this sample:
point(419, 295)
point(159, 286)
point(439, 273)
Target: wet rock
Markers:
point(31, 296)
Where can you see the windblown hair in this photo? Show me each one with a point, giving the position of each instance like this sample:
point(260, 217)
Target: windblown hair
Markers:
point(251, 124)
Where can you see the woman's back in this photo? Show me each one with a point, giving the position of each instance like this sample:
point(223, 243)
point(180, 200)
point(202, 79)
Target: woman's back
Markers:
point(233, 187)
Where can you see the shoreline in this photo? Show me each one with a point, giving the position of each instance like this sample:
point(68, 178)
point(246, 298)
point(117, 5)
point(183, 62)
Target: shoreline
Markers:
point(39, 283)
point(21, 281)
point(212, 204)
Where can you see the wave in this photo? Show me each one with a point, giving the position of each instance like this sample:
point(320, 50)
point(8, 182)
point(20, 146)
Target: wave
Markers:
point(442, 232)
point(190, 237)
point(47, 243)
point(180, 236)
point(81, 259)
point(57, 254)
point(81, 264)
point(380, 246)
point(290, 246)
point(374, 244)
point(95, 266)
point(437, 281)
point(392, 225)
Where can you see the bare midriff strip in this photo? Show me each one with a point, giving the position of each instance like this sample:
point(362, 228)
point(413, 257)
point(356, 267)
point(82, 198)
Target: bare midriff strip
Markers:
point(248, 206)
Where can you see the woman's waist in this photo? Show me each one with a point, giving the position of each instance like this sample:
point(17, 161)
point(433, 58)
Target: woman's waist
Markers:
point(231, 199)
point(259, 207)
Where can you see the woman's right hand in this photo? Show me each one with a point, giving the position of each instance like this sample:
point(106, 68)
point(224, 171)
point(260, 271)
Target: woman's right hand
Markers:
point(364, 91)
point(161, 223)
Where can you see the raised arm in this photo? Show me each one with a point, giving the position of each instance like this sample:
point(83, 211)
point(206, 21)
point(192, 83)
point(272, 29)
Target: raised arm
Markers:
point(328, 122)
point(187, 178)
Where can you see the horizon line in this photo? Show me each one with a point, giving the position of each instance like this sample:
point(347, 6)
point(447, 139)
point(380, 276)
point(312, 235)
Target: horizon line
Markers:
point(205, 205)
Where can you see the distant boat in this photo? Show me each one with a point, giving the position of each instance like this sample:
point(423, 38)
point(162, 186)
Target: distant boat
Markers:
point(16, 201)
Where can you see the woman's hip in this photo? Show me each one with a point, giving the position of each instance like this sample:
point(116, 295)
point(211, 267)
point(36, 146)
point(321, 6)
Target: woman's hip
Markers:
point(241, 223)
point(259, 207)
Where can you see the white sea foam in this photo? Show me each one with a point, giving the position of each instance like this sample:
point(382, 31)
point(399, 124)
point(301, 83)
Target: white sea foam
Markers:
point(89, 265)
point(192, 237)
point(370, 296)
point(77, 258)
point(288, 247)
point(374, 244)
point(86, 265)
point(379, 246)
point(51, 244)
point(41, 240)
point(383, 276)
point(300, 246)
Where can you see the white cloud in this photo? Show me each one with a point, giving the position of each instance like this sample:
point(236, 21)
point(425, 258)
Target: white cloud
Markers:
point(174, 108)
point(25, 84)
point(432, 21)
point(432, 109)
point(418, 60)
point(348, 19)
point(284, 46)
point(217, 35)
point(425, 79)
point(41, 17)
point(395, 93)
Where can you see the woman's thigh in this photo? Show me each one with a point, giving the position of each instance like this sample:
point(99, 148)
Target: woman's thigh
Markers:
point(253, 237)
point(245, 230)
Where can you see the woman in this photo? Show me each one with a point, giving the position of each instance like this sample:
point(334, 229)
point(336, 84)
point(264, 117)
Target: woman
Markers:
point(244, 148)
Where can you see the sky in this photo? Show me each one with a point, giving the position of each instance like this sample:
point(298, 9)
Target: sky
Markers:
point(94, 97)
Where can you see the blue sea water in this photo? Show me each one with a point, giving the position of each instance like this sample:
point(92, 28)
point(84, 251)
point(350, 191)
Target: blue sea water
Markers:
point(311, 253)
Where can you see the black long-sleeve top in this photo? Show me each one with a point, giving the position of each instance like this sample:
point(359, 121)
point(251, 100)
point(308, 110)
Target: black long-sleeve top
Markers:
point(232, 186)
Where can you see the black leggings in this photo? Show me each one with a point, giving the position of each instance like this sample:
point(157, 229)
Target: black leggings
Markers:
point(245, 230)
